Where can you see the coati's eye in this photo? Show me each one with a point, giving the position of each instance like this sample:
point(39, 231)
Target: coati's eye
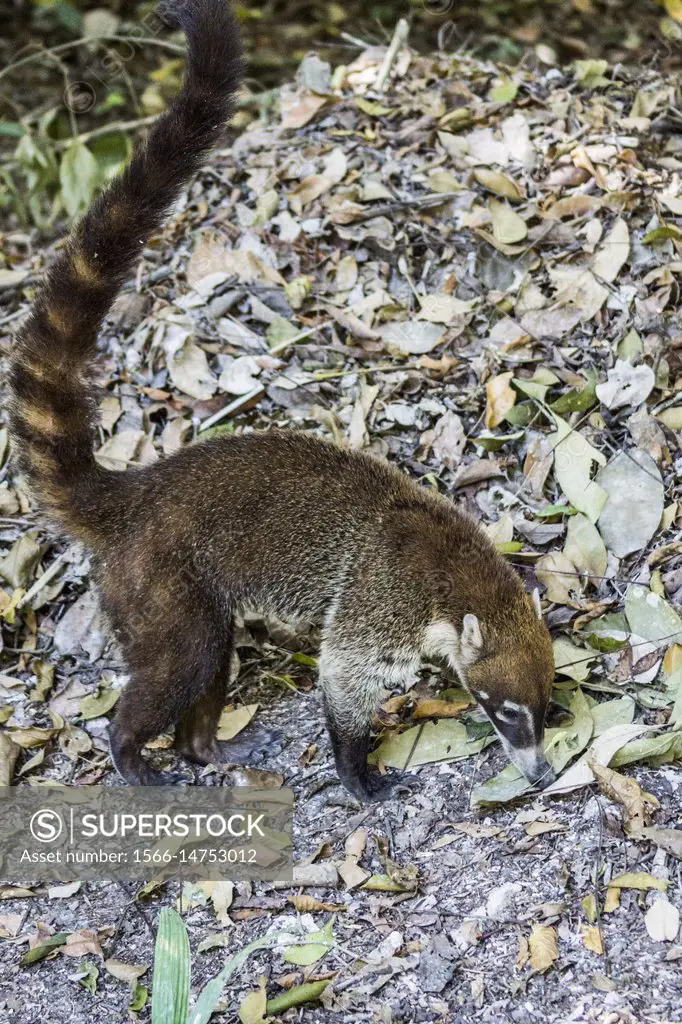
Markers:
point(510, 715)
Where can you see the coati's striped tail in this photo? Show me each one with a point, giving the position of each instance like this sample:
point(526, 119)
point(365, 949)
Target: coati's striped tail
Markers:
point(52, 411)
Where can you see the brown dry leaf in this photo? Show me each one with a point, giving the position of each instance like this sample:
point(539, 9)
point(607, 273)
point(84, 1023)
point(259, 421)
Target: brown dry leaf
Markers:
point(523, 955)
point(82, 943)
point(669, 839)
point(641, 880)
point(611, 900)
point(592, 939)
point(233, 721)
point(301, 110)
point(10, 925)
point(32, 737)
point(478, 831)
point(539, 828)
point(558, 574)
point(637, 805)
point(500, 399)
point(432, 708)
point(252, 1008)
point(543, 947)
point(500, 184)
point(15, 892)
point(350, 871)
point(308, 904)
point(9, 752)
point(125, 972)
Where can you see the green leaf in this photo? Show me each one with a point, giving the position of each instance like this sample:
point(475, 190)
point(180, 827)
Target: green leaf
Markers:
point(211, 992)
point(316, 946)
point(296, 996)
point(89, 982)
point(492, 442)
point(661, 234)
point(570, 660)
point(373, 109)
point(590, 73)
point(32, 956)
point(111, 152)
point(99, 704)
point(444, 740)
point(556, 510)
point(577, 399)
point(605, 644)
point(78, 175)
point(658, 749)
point(304, 659)
point(12, 129)
point(170, 983)
point(612, 712)
point(573, 458)
point(504, 91)
point(138, 999)
point(521, 414)
point(652, 618)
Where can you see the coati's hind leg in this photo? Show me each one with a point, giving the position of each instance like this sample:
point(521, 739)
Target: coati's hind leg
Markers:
point(195, 733)
point(171, 664)
point(351, 684)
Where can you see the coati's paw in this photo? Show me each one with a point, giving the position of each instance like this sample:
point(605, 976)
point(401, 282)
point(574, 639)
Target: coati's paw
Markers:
point(133, 768)
point(151, 777)
point(373, 787)
point(258, 744)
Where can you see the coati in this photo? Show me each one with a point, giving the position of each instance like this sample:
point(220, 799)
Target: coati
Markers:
point(280, 521)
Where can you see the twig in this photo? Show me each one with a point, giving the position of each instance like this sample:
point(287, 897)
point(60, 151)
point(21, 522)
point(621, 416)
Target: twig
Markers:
point(42, 581)
point(63, 47)
point(107, 129)
point(420, 202)
point(280, 346)
point(131, 903)
point(399, 38)
point(230, 408)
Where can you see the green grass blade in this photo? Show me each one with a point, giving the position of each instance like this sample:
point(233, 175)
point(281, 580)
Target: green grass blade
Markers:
point(170, 983)
point(212, 991)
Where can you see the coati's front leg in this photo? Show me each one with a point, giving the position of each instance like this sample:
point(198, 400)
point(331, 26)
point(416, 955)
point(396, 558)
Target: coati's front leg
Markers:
point(351, 684)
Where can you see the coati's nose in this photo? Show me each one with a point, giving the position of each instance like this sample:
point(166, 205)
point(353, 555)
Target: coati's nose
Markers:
point(541, 774)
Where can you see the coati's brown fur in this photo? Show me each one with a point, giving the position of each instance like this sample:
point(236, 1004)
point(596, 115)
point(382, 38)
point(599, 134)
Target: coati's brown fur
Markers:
point(281, 521)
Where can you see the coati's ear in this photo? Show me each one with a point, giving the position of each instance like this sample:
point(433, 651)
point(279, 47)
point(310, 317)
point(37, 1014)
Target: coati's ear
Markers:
point(536, 603)
point(471, 640)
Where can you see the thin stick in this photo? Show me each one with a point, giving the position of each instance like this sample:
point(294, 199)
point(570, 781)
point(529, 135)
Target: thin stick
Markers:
point(280, 346)
point(230, 408)
point(42, 581)
point(399, 38)
point(106, 129)
point(63, 47)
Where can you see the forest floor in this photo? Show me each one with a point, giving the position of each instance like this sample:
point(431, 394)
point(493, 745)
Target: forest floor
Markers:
point(472, 272)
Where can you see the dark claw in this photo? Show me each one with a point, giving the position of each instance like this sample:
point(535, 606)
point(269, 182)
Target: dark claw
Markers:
point(255, 747)
point(373, 787)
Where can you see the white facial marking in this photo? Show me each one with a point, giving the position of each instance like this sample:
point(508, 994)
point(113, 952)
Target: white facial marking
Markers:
point(527, 759)
point(536, 603)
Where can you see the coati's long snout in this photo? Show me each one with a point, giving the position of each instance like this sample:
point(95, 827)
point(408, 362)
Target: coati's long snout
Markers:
point(280, 521)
